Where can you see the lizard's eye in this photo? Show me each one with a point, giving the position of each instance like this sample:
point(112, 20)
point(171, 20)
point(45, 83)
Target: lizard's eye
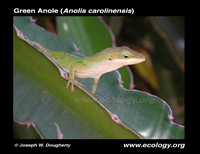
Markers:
point(125, 54)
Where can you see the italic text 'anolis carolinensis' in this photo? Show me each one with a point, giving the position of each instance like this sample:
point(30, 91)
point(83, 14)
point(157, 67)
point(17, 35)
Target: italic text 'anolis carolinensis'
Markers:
point(91, 67)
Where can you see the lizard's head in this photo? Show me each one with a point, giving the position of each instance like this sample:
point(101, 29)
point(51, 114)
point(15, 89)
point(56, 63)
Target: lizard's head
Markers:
point(126, 55)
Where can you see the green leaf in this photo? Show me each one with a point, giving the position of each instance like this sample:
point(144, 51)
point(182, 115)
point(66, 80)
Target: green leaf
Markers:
point(81, 32)
point(40, 97)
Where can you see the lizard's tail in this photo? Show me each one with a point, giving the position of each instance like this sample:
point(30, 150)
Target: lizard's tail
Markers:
point(39, 46)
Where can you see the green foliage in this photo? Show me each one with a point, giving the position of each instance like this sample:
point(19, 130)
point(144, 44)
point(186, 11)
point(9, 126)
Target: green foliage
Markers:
point(41, 99)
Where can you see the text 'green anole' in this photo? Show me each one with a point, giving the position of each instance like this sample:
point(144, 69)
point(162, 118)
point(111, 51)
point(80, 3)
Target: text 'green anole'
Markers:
point(91, 67)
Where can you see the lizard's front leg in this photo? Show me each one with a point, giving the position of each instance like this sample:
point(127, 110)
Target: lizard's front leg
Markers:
point(64, 74)
point(72, 80)
point(94, 86)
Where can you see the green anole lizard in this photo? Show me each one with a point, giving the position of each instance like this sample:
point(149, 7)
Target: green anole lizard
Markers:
point(91, 67)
